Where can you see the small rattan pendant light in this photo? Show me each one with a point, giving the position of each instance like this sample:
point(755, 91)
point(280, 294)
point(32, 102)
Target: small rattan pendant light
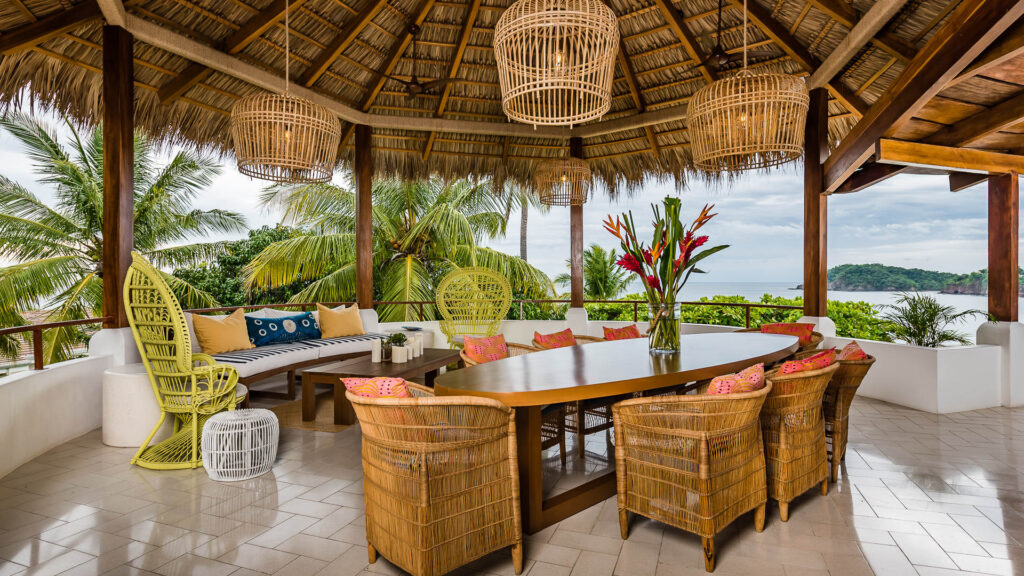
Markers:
point(563, 182)
point(282, 138)
point(556, 60)
point(748, 121)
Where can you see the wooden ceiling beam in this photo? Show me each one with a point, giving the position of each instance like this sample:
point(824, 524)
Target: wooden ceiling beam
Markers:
point(871, 174)
point(968, 31)
point(959, 181)
point(453, 70)
point(677, 23)
point(792, 47)
point(40, 31)
point(974, 128)
point(638, 98)
point(1010, 45)
point(860, 35)
point(903, 153)
point(849, 18)
point(342, 41)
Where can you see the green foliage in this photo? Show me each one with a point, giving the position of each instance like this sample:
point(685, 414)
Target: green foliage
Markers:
point(921, 320)
point(396, 339)
point(877, 277)
point(222, 278)
point(602, 278)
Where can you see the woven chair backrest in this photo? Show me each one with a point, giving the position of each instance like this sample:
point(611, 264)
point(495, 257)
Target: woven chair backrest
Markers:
point(433, 424)
point(792, 393)
point(473, 301)
point(698, 413)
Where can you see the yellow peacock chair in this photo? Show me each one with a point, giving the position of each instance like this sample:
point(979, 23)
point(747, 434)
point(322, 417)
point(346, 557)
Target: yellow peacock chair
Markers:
point(189, 387)
point(472, 302)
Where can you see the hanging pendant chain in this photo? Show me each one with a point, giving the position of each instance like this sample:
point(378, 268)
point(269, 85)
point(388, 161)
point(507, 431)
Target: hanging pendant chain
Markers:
point(744, 35)
point(287, 48)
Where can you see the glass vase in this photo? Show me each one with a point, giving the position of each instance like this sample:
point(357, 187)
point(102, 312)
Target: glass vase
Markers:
point(664, 335)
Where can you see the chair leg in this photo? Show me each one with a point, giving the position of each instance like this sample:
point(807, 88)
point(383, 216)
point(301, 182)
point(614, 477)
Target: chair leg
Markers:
point(824, 487)
point(580, 425)
point(624, 524)
point(561, 436)
point(197, 457)
point(145, 443)
point(372, 553)
point(784, 511)
point(517, 558)
point(709, 553)
point(759, 513)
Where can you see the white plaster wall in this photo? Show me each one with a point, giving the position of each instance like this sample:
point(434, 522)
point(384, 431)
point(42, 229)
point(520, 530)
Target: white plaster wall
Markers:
point(521, 331)
point(40, 410)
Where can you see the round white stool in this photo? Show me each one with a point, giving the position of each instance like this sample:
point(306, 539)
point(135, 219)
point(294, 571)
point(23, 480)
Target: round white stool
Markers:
point(240, 444)
point(129, 408)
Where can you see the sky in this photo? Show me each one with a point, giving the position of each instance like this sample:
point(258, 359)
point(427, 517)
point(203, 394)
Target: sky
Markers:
point(908, 220)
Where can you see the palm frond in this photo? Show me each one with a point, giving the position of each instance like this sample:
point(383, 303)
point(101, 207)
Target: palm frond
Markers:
point(338, 286)
point(186, 255)
point(301, 258)
point(81, 300)
point(405, 279)
point(31, 284)
point(188, 295)
point(523, 277)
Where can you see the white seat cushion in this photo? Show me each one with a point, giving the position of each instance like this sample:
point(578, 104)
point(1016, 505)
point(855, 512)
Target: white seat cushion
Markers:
point(264, 358)
point(328, 347)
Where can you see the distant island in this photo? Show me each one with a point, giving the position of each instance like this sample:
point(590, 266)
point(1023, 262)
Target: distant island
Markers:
point(881, 278)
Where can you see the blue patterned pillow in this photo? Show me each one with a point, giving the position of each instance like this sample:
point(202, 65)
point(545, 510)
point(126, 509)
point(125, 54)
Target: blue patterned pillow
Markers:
point(266, 331)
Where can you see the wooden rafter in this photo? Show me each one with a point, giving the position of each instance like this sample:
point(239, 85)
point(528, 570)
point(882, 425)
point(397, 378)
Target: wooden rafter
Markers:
point(959, 181)
point(846, 16)
point(860, 34)
point(342, 41)
point(1010, 45)
point(638, 98)
point(453, 69)
point(791, 46)
point(974, 128)
point(889, 151)
point(678, 25)
point(42, 30)
point(868, 176)
point(967, 32)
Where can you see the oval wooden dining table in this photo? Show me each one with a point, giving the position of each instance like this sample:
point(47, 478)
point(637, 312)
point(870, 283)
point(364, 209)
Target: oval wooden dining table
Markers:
point(598, 370)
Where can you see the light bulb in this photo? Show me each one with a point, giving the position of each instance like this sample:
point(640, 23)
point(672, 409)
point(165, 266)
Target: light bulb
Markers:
point(559, 58)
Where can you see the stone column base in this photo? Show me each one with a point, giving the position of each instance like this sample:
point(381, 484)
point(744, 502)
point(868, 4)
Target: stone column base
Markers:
point(822, 324)
point(118, 343)
point(577, 320)
point(1010, 337)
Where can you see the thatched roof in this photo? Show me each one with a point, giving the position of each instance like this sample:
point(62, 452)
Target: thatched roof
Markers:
point(180, 101)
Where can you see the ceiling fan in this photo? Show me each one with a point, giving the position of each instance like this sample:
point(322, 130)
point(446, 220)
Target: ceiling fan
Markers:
point(413, 86)
point(718, 58)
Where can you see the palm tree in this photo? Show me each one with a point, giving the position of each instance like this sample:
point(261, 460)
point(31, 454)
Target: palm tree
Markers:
point(921, 320)
point(602, 278)
point(421, 231)
point(58, 250)
point(522, 198)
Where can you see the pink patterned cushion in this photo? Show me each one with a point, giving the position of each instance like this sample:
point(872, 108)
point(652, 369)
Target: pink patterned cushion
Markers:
point(489, 349)
point(817, 362)
point(379, 387)
point(748, 380)
point(801, 330)
point(556, 340)
point(852, 351)
point(624, 333)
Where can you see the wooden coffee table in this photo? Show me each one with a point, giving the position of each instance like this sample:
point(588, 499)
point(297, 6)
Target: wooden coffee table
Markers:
point(426, 365)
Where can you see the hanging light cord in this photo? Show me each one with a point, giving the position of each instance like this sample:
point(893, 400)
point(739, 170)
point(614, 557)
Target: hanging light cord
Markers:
point(744, 34)
point(287, 48)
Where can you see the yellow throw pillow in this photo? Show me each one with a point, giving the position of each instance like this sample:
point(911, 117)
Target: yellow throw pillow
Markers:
point(220, 334)
point(338, 323)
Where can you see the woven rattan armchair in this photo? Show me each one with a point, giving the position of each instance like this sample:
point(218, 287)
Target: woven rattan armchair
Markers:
point(513, 350)
point(816, 339)
point(836, 405)
point(472, 302)
point(580, 339)
point(188, 387)
point(794, 434)
point(440, 481)
point(693, 462)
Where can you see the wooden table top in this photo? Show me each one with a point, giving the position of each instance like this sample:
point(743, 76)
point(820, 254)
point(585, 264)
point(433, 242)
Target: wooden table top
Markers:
point(432, 359)
point(611, 368)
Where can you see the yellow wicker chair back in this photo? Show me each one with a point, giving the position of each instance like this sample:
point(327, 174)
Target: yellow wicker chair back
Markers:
point(836, 404)
point(472, 301)
point(189, 387)
point(794, 434)
point(440, 481)
point(695, 462)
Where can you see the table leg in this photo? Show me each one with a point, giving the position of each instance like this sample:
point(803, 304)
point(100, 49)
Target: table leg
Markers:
point(531, 486)
point(308, 398)
point(343, 412)
point(429, 377)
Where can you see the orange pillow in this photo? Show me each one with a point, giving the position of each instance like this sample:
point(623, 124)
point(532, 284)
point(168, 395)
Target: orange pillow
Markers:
point(748, 380)
point(852, 351)
point(820, 360)
point(801, 330)
point(489, 349)
point(379, 387)
point(625, 333)
point(556, 340)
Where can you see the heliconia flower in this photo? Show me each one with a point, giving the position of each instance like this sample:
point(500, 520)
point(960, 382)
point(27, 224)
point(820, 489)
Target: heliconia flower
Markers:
point(656, 251)
point(654, 282)
point(647, 257)
point(615, 227)
point(629, 262)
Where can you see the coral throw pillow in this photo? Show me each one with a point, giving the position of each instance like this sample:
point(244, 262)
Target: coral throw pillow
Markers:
point(852, 351)
point(379, 387)
point(801, 330)
point(817, 362)
point(483, 350)
point(625, 333)
point(556, 340)
point(749, 380)
point(220, 334)
point(336, 323)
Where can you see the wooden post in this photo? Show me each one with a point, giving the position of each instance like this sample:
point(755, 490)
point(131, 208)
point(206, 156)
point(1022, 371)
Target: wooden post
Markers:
point(364, 217)
point(815, 207)
point(1003, 222)
point(576, 238)
point(118, 166)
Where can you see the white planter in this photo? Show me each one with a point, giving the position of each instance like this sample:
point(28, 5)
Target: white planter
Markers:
point(937, 380)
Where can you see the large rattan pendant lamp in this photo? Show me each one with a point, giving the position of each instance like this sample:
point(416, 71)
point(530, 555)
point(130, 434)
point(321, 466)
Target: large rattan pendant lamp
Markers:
point(563, 182)
point(556, 60)
point(748, 121)
point(282, 138)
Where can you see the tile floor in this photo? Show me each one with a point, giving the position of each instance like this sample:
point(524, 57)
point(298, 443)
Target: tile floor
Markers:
point(921, 494)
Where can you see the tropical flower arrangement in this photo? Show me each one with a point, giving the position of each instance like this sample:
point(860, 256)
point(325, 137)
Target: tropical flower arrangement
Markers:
point(665, 265)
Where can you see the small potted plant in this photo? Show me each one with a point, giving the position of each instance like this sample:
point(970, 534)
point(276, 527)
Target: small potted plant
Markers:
point(397, 339)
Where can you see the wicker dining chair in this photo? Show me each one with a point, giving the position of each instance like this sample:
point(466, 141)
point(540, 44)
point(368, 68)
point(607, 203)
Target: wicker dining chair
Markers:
point(440, 481)
point(695, 462)
point(472, 302)
point(816, 339)
point(836, 405)
point(513, 350)
point(794, 434)
point(189, 387)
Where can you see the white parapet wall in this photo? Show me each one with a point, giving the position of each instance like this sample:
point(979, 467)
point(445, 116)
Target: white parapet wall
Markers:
point(936, 380)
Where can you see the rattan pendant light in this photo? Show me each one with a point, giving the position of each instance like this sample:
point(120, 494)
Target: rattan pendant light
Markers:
point(563, 182)
point(556, 60)
point(748, 121)
point(282, 138)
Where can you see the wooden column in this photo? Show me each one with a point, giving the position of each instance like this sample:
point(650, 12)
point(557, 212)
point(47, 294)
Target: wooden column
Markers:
point(364, 217)
point(576, 238)
point(815, 206)
point(1003, 222)
point(118, 166)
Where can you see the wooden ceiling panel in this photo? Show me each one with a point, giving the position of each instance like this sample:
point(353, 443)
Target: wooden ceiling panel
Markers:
point(947, 111)
point(916, 129)
point(1011, 71)
point(980, 91)
point(1000, 141)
